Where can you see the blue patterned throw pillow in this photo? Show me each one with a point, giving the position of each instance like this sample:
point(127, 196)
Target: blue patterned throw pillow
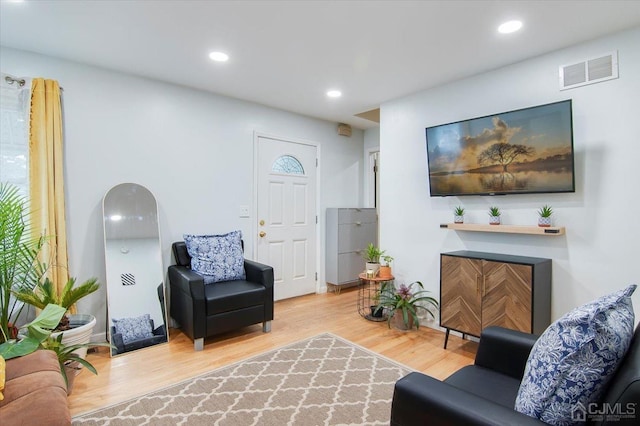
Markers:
point(571, 363)
point(133, 328)
point(217, 257)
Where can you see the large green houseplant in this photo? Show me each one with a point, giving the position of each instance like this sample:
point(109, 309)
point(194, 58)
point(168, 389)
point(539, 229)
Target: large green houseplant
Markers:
point(21, 273)
point(406, 302)
point(19, 264)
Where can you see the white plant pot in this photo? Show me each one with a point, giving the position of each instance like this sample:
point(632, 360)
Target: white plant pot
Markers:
point(458, 219)
point(80, 333)
point(375, 267)
point(544, 222)
point(494, 220)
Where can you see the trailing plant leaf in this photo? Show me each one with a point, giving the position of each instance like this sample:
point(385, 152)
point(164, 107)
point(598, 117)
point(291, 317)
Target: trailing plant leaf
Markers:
point(37, 331)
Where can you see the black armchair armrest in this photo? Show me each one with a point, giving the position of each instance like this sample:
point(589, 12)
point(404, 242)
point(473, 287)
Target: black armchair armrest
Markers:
point(422, 400)
point(187, 281)
point(505, 351)
point(117, 340)
point(258, 273)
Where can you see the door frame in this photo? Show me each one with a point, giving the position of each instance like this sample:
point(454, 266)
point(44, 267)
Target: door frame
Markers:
point(254, 223)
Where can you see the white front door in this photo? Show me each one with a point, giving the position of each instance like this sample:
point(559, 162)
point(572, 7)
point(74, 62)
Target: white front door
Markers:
point(287, 214)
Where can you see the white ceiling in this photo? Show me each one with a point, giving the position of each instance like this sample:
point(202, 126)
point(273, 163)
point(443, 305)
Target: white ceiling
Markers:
point(287, 54)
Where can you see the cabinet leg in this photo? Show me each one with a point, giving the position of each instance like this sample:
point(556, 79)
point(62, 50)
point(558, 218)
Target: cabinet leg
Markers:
point(446, 338)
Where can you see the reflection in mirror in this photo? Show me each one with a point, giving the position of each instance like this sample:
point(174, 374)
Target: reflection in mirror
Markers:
point(135, 287)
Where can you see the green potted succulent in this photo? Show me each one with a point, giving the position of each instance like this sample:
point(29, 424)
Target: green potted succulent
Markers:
point(404, 304)
point(458, 214)
point(372, 256)
point(494, 215)
point(544, 216)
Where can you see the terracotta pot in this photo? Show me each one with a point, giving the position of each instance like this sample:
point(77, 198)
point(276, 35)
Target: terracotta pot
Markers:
point(385, 272)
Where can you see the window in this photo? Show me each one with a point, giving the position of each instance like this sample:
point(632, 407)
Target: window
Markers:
point(288, 164)
point(14, 133)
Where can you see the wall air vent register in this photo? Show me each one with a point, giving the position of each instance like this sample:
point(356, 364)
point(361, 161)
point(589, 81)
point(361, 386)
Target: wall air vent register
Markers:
point(589, 71)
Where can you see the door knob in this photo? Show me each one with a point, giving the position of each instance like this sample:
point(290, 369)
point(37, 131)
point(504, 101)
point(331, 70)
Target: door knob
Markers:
point(262, 234)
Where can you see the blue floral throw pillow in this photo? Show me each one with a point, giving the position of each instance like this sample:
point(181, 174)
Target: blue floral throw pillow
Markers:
point(575, 357)
point(217, 257)
point(134, 328)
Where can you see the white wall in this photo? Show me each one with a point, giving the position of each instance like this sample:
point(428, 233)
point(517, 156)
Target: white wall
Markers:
point(599, 253)
point(192, 149)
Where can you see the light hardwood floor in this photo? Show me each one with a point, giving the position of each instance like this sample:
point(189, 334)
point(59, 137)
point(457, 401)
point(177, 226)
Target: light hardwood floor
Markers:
point(130, 375)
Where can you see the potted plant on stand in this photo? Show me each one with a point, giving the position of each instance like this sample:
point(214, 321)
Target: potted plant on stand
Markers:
point(404, 303)
point(385, 267)
point(494, 215)
point(458, 215)
point(372, 258)
point(544, 219)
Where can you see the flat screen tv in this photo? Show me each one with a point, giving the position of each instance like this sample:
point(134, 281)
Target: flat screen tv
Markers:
point(524, 151)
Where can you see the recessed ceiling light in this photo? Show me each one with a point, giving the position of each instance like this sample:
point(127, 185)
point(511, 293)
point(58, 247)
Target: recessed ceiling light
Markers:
point(510, 27)
point(219, 56)
point(334, 93)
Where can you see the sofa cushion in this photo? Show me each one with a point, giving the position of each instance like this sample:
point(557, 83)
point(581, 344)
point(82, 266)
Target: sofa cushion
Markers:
point(573, 360)
point(133, 329)
point(485, 383)
point(34, 385)
point(217, 257)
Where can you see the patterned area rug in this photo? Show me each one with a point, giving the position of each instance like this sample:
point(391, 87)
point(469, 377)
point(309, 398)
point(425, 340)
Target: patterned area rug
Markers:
point(324, 380)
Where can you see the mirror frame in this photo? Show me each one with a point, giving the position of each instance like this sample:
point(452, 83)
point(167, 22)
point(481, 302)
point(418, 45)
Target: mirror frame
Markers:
point(130, 217)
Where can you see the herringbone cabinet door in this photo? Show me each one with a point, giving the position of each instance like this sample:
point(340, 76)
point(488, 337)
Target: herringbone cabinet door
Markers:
point(506, 298)
point(460, 299)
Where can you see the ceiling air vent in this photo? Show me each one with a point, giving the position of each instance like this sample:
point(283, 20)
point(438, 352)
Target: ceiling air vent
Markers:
point(589, 71)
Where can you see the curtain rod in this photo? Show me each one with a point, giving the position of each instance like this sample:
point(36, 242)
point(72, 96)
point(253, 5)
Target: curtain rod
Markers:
point(21, 81)
point(11, 80)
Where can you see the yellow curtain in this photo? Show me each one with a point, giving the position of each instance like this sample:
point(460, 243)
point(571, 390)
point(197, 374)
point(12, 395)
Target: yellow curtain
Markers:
point(46, 177)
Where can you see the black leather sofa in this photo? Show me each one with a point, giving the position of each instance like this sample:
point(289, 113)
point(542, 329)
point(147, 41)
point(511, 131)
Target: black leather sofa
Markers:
point(205, 310)
point(485, 393)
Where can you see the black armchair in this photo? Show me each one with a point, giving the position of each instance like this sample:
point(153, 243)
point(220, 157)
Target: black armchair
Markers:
point(205, 310)
point(159, 336)
point(159, 333)
point(485, 393)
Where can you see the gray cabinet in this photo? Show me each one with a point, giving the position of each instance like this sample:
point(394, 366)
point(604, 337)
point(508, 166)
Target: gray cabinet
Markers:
point(348, 232)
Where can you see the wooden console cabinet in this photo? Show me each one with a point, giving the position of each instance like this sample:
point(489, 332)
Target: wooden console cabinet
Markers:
point(482, 289)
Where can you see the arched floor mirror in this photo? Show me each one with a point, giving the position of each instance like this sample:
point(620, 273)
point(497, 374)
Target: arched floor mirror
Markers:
point(135, 283)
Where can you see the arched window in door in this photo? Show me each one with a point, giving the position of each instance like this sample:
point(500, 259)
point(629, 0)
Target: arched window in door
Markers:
point(287, 164)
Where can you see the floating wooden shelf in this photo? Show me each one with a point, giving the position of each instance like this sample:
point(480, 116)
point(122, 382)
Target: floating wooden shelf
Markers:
point(507, 229)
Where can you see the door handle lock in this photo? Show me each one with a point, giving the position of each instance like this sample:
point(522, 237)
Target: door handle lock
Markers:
point(262, 234)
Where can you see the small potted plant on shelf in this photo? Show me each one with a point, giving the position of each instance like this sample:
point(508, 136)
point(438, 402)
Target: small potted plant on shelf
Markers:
point(544, 219)
point(372, 258)
point(404, 303)
point(385, 267)
point(458, 215)
point(494, 215)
